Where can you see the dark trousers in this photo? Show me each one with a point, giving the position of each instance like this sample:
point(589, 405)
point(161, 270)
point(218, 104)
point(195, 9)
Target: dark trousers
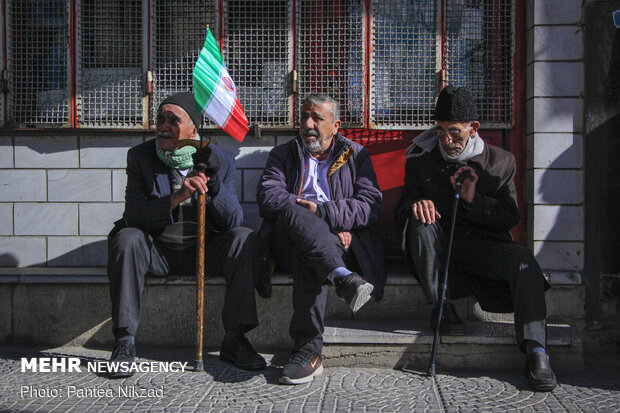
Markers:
point(304, 245)
point(133, 253)
point(483, 258)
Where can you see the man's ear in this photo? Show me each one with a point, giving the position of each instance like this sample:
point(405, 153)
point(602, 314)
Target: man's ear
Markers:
point(475, 125)
point(336, 126)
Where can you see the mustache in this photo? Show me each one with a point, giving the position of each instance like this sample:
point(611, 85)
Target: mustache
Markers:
point(310, 132)
point(164, 135)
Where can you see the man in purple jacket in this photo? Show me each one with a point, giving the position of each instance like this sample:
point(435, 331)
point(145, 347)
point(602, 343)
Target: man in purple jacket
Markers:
point(319, 196)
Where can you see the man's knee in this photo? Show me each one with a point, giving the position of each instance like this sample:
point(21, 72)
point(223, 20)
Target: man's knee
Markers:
point(421, 235)
point(127, 239)
point(524, 260)
point(242, 239)
point(295, 217)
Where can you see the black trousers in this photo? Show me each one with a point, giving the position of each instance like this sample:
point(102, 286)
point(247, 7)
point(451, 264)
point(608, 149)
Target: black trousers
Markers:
point(483, 258)
point(133, 254)
point(304, 245)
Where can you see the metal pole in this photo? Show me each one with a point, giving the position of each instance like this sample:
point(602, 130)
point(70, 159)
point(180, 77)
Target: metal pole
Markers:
point(444, 281)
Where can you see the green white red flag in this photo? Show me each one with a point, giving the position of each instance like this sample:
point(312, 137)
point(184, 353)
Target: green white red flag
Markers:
point(216, 93)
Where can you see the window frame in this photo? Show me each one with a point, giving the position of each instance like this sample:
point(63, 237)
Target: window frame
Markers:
point(292, 83)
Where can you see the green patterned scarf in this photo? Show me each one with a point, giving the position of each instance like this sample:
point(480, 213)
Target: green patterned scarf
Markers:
point(179, 159)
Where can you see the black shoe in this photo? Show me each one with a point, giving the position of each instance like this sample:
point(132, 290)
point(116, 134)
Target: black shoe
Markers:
point(123, 355)
point(240, 352)
point(538, 372)
point(354, 290)
point(451, 324)
point(301, 367)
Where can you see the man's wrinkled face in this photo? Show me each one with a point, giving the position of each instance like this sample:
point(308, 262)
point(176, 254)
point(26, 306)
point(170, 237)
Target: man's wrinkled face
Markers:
point(173, 125)
point(317, 127)
point(454, 136)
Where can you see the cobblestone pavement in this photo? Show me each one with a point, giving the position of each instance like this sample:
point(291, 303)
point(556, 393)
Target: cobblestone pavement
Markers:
point(223, 388)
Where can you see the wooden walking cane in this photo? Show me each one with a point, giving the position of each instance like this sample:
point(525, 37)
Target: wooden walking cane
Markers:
point(200, 258)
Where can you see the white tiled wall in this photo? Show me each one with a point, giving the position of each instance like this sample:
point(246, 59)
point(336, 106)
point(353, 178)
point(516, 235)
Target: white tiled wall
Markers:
point(554, 118)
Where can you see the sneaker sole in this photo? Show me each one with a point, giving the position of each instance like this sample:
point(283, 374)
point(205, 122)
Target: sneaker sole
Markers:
point(361, 297)
point(230, 359)
point(302, 380)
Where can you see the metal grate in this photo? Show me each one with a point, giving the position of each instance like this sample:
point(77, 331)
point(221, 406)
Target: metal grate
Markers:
point(404, 63)
point(109, 63)
point(38, 61)
point(257, 52)
point(478, 54)
point(179, 30)
point(330, 54)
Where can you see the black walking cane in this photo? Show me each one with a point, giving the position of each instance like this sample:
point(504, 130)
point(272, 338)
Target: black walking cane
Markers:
point(200, 257)
point(444, 281)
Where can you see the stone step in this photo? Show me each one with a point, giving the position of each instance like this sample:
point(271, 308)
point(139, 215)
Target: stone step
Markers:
point(407, 344)
point(70, 306)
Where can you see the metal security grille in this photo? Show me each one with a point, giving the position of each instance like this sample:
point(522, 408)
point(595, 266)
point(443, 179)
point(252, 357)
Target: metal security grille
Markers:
point(331, 54)
point(257, 51)
point(178, 30)
point(404, 63)
point(109, 63)
point(38, 61)
point(478, 54)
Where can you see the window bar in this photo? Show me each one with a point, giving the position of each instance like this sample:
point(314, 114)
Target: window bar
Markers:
point(109, 63)
point(479, 51)
point(177, 36)
point(257, 53)
point(404, 63)
point(330, 52)
point(37, 63)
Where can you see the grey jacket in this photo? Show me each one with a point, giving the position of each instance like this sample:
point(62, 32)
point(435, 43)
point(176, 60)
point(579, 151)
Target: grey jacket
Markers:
point(355, 199)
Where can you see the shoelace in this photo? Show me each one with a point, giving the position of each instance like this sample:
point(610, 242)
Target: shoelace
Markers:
point(302, 357)
point(124, 348)
point(343, 282)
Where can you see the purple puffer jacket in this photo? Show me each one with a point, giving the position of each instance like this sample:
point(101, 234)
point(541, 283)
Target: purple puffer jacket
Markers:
point(355, 205)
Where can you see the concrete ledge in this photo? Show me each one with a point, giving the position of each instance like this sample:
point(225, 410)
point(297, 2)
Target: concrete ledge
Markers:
point(418, 332)
point(397, 275)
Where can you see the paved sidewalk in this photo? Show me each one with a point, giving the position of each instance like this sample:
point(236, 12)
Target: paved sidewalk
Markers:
point(223, 388)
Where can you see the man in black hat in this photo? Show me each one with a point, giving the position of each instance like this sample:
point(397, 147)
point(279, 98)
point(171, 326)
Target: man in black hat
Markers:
point(157, 234)
point(503, 275)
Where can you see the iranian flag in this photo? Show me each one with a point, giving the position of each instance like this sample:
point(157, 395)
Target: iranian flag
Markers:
point(216, 93)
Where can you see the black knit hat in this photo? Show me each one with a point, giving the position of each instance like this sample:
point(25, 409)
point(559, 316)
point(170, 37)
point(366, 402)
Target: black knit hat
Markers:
point(455, 104)
point(188, 103)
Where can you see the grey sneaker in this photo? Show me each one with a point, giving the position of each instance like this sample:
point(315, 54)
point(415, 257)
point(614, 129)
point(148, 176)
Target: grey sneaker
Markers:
point(302, 367)
point(353, 290)
point(123, 355)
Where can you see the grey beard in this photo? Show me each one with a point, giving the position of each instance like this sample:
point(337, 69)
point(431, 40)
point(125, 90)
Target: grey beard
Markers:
point(313, 147)
point(473, 147)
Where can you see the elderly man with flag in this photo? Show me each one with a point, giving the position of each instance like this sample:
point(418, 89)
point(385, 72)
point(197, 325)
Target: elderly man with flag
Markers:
point(158, 232)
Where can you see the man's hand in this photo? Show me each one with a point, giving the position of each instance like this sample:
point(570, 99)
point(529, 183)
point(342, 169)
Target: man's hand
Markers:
point(345, 238)
point(194, 181)
point(425, 212)
point(309, 205)
point(468, 187)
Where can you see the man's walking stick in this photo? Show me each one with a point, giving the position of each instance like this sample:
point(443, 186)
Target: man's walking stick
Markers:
point(200, 257)
point(200, 279)
point(444, 281)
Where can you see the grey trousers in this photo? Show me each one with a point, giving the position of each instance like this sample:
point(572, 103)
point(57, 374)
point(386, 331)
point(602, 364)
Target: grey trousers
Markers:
point(479, 258)
point(304, 245)
point(132, 254)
